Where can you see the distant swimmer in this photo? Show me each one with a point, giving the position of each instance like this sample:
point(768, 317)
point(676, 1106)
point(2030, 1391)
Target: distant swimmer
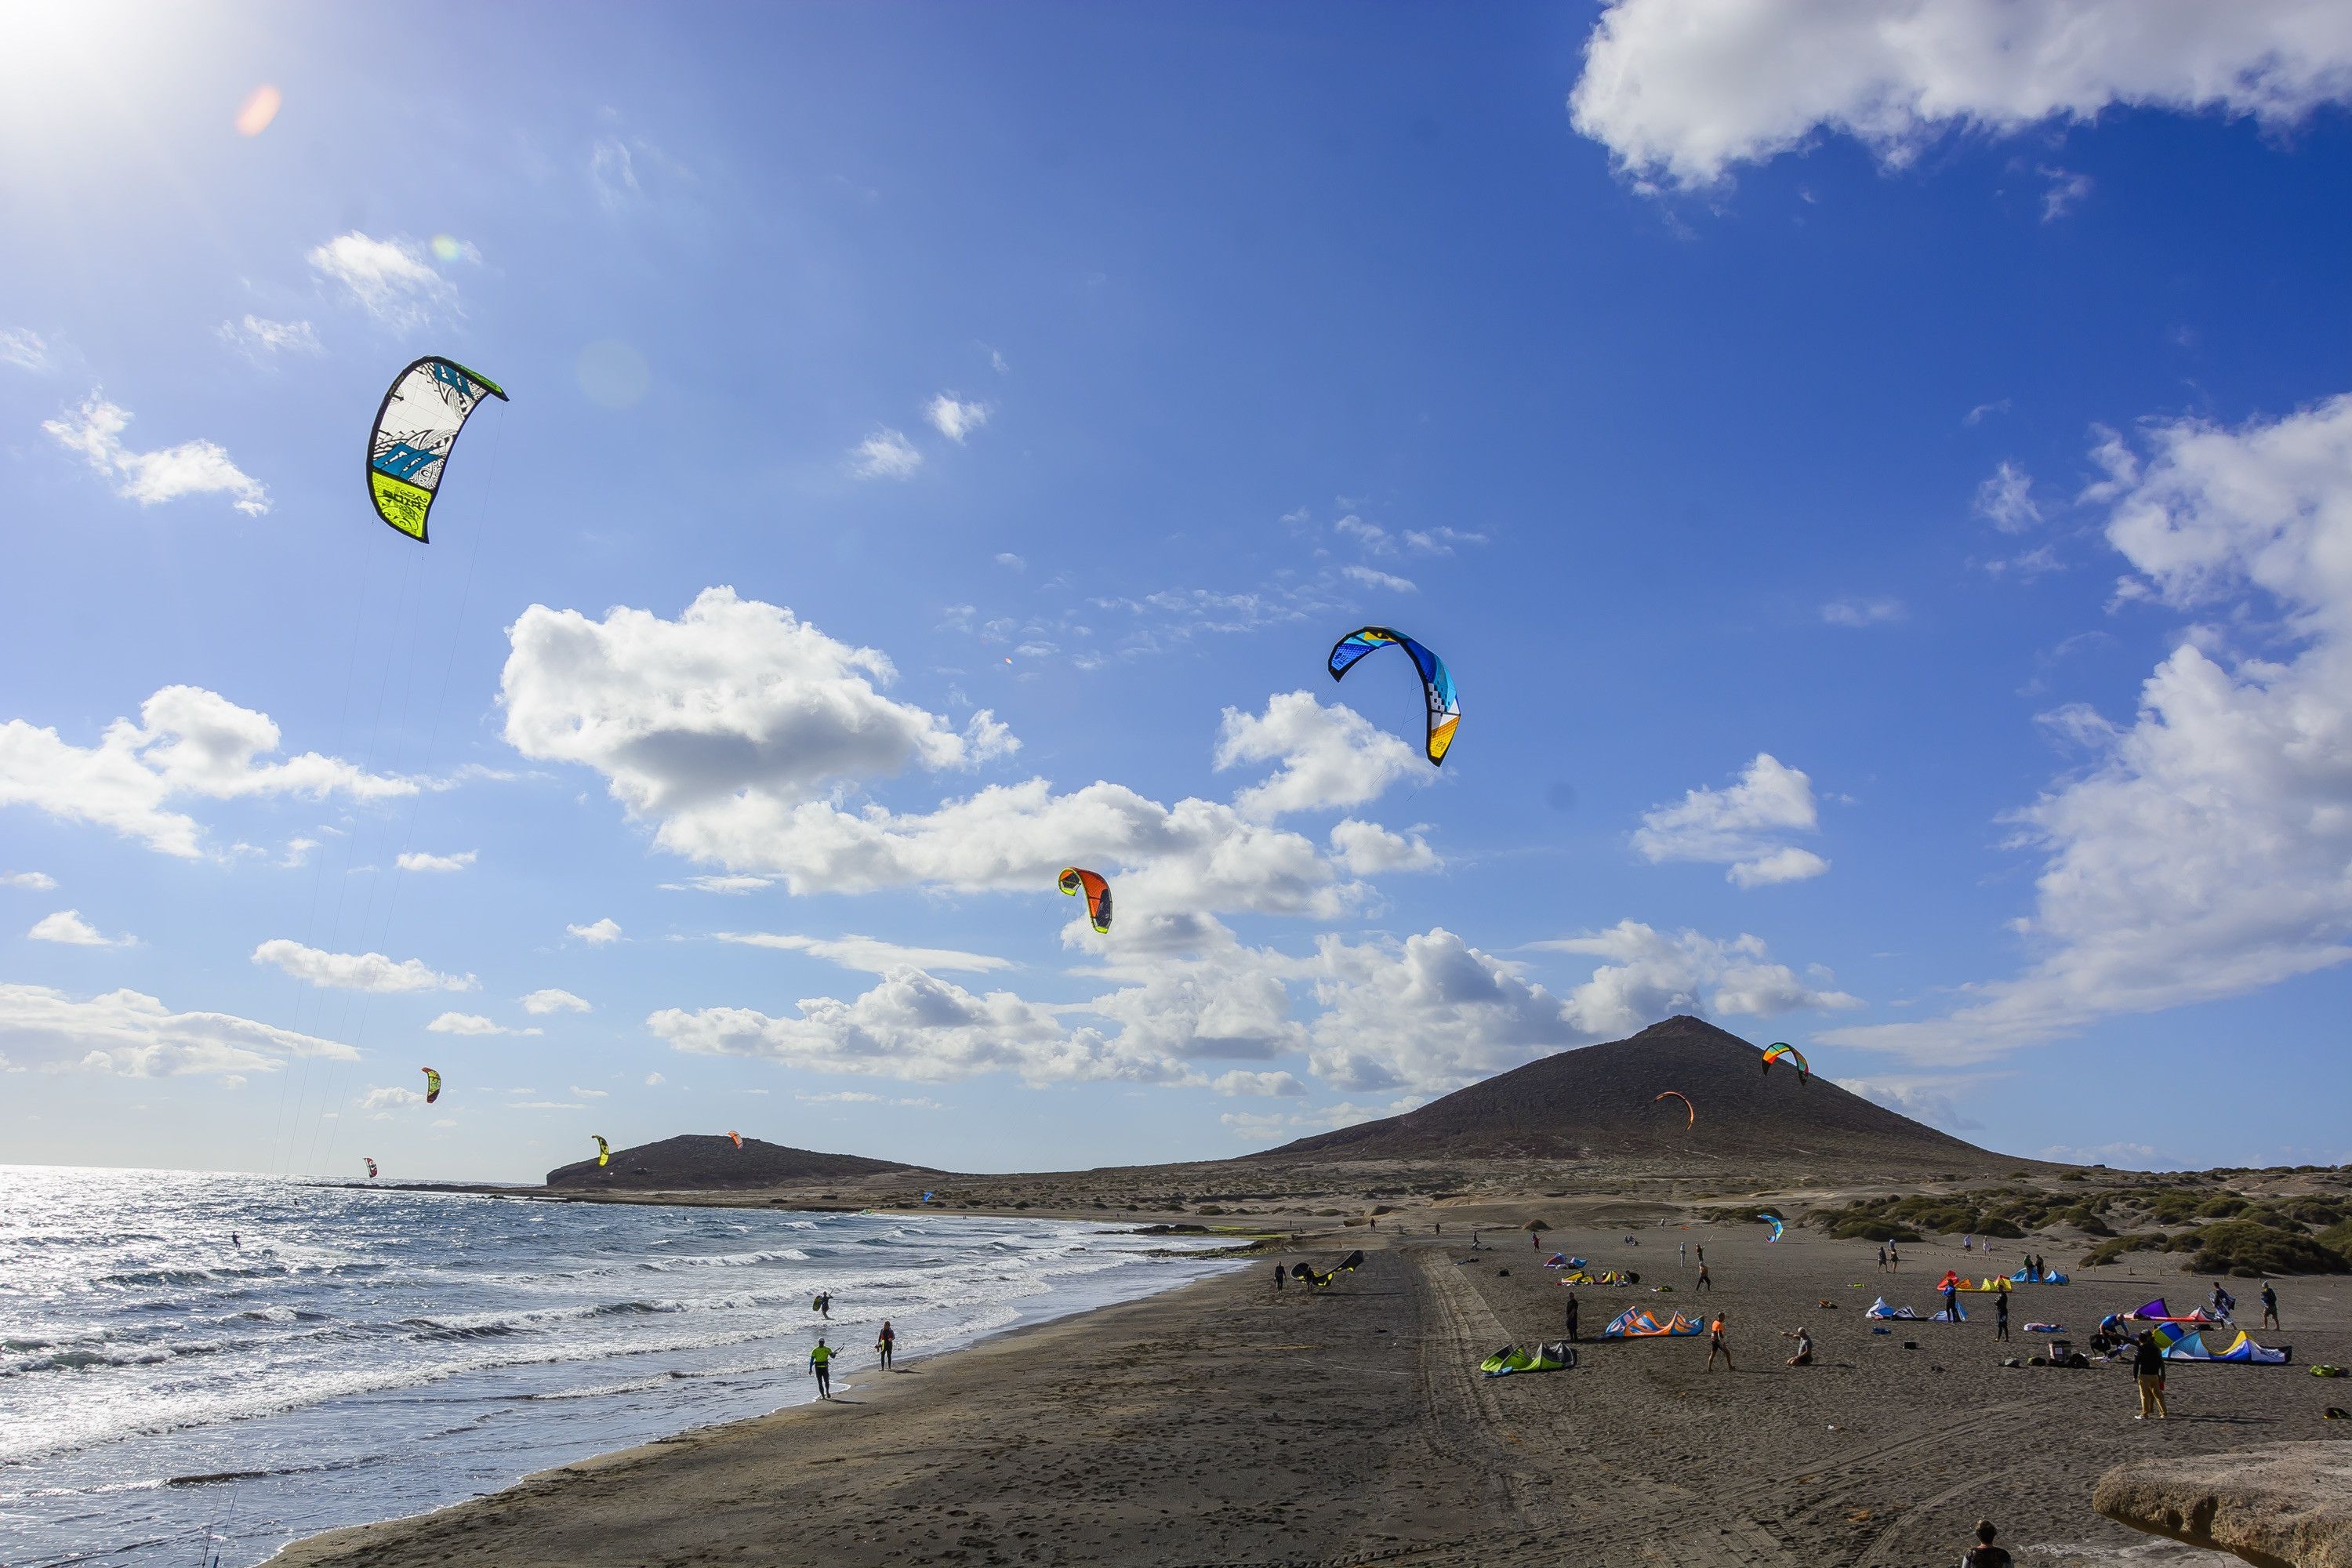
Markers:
point(884, 1344)
point(820, 1364)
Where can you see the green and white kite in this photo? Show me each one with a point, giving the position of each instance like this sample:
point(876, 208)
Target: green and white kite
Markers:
point(414, 430)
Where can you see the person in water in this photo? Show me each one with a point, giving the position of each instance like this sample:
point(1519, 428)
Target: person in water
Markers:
point(884, 1344)
point(1984, 1553)
point(1804, 1338)
point(820, 1364)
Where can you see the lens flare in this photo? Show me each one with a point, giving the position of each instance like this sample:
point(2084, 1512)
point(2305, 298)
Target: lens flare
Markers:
point(446, 248)
point(259, 110)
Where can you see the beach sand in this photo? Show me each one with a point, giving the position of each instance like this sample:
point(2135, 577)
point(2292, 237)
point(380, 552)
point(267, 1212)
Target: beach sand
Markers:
point(1225, 1423)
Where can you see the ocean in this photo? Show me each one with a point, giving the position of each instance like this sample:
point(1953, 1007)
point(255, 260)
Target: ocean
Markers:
point(168, 1395)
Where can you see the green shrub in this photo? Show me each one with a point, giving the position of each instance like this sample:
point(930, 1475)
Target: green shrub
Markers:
point(2109, 1251)
point(1867, 1229)
point(2008, 1230)
point(2247, 1250)
point(2173, 1208)
point(2084, 1219)
point(2337, 1237)
point(2222, 1208)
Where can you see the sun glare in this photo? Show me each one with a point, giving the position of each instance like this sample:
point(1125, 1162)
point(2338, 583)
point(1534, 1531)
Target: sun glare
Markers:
point(259, 110)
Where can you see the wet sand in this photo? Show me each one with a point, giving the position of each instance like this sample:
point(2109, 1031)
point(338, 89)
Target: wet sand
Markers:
point(1225, 1423)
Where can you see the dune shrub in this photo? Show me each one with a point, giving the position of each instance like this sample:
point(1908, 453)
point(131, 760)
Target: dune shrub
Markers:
point(2221, 1207)
point(2110, 1250)
point(2248, 1250)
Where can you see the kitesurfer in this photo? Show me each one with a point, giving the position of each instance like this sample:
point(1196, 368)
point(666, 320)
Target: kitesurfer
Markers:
point(1715, 1345)
point(820, 1364)
point(2148, 1368)
point(885, 1343)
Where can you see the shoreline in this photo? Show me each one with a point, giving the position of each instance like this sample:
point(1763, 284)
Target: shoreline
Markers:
point(1223, 1422)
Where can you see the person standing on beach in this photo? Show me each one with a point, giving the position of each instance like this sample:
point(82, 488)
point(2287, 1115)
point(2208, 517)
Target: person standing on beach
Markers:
point(1682, 1255)
point(2147, 1369)
point(820, 1364)
point(1951, 1299)
point(1704, 1281)
point(1702, 1255)
point(1572, 1315)
point(1984, 1553)
point(1715, 1345)
point(2270, 1307)
point(1882, 1257)
point(887, 1342)
point(2000, 1315)
point(1277, 1277)
point(1894, 1258)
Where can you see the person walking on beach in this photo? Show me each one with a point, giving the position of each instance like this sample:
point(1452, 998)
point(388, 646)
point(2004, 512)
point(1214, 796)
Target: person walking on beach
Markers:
point(2223, 1302)
point(1984, 1553)
point(2147, 1369)
point(1277, 1277)
point(2000, 1315)
point(885, 1343)
point(1715, 1345)
point(1682, 1255)
point(820, 1364)
point(2270, 1307)
point(1804, 1338)
point(1882, 1257)
point(1572, 1315)
point(1951, 1299)
point(1705, 1280)
point(1702, 1255)
point(1894, 1258)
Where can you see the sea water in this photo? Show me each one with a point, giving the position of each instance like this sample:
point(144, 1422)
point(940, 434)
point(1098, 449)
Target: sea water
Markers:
point(168, 1395)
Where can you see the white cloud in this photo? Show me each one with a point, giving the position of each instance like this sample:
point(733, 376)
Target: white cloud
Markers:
point(2067, 191)
point(538, 1003)
point(1368, 849)
point(2201, 852)
point(418, 860)
point(1365, 576)
point(1005, 557)
point(1683, 90)
point(729, 885)
point(391, 279)
point(356, 971)
point(2006, 499)
point(1273, 1126)
point(37, 881)
point(871, 955)
point(189, 742)
point(547, 1105)
point(22, 348)
point(388, 1097)
point(69, 928)
point(1930, 1099)
point(1329, 756)
point(258, 336)
point(590, 1093)
point(1741, 826)
point(469, 1023)
point(1240, 1082)
point(954, 418)
point(1863, 612)
point(655, 1080)
point(1438, 540)
point(736, 707)
point(1653, 975)
point(135, 1036)
point(603, 933)
point(884, 455)
point(1373, 538)
point(841, 1096)
point(191, 467)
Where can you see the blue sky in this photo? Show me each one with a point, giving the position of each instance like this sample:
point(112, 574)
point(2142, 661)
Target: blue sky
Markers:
point(1882, 480)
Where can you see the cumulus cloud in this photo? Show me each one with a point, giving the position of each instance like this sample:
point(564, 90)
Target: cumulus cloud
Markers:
point(386, 1096)
point(884, 455)
point(954, 418)
point(1652, 974)
point(418, 860)
point(603, 933)
point(1241, 1082)
point(189, 469)
point(1933, 1100)
point(356, 971)
point(471, 1024)
point(258, 337)
point(36, 881)
point(1367, 849)
point(871, 955)
point(2201, 852)
point(391, 279)
point(1388, 582)
point(1328, 756)
point(188, 741)
point(538, 1003)
point(1682, 90)
point(1742, 826)
point(135, 1036)
point(67, 927)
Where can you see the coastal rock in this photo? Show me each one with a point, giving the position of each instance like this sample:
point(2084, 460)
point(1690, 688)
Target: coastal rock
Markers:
point(2285, 1506)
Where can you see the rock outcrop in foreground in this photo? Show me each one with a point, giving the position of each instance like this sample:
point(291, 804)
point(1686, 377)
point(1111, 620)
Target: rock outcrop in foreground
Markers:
point(2285, 1506)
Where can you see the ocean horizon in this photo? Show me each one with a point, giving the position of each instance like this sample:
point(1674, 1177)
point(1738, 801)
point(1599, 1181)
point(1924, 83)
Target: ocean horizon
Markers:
point(198, 1368)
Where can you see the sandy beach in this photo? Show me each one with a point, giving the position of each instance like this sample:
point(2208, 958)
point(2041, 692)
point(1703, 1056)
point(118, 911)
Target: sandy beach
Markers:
point(1227, 1422)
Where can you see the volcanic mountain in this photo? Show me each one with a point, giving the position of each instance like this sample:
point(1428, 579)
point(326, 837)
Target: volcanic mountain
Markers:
point(700, 1162)
point(1601, 1104)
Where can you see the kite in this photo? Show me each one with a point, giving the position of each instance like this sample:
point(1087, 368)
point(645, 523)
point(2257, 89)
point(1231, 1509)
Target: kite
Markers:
point(1554, 1355)
point(1677, 1094)
point(603, 1150)
point(432, 1086)
point(414, 430)
point(1642, 1323)
point(1783, 1051)
point(1775, 1222)
point(1437, 685)
point(927, 1197)
point(1097, 894)
point(371, 1165)
point(737, 1136)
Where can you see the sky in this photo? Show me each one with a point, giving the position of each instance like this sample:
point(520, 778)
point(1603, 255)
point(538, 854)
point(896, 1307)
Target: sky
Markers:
point(1880, 475)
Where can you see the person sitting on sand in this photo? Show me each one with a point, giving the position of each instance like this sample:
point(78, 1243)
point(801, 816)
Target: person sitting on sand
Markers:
point(1572, 1315)
point(1715, 1345)
point(2270, 1307)
point(820, 1364)
point(1984, 1553)
point(884, 1344)
point(1804, 1338)
point(2147, 1369)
